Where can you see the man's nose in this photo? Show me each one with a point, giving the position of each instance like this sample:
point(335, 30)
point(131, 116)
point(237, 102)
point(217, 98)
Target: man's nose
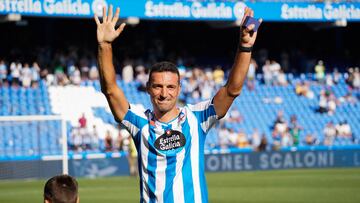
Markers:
point(164, 92)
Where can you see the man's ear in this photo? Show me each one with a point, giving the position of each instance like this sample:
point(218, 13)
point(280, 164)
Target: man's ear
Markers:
point(47, 201)
point(78, 199)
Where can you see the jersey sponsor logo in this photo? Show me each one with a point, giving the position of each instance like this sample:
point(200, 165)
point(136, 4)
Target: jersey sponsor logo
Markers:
point(170, 140)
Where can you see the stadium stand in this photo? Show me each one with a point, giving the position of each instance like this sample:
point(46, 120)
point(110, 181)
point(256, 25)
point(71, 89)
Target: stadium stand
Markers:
point(303, 44)
point(258, 109)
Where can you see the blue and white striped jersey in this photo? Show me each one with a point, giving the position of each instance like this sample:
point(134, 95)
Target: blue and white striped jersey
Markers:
point(171, 155)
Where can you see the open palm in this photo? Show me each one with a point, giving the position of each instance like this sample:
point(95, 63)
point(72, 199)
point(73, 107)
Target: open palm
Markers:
point(106, 31)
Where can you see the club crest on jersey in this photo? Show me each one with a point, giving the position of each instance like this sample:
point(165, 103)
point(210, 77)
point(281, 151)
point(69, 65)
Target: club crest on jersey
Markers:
point(170, 140)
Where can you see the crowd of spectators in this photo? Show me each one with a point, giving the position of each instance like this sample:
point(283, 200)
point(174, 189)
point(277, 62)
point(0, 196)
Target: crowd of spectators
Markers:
point(200, 82)
point(19, 74)
point(84, 138)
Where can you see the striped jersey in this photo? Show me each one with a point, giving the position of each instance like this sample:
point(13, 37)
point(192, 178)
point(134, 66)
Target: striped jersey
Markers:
point(171, 155)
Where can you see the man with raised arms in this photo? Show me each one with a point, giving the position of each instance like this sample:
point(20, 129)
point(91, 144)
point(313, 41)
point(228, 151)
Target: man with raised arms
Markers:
point(169, 139)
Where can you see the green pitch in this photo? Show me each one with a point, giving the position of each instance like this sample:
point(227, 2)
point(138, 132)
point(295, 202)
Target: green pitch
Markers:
point(308, 186)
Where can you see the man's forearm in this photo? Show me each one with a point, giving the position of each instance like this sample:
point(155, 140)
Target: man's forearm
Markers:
point(106, 67)
point(238, 73)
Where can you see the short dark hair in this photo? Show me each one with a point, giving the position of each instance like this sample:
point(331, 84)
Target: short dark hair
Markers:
point(61, 189)
point(164, 66)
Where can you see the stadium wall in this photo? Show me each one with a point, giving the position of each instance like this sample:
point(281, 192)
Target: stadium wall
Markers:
point(249, 161)
point(84, 167)
point(100, 166)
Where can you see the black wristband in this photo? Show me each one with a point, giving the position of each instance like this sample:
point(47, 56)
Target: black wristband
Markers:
point(245, 49)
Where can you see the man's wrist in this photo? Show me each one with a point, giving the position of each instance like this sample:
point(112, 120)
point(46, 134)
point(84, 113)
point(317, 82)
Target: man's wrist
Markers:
point(104, 45)
point(245, 48)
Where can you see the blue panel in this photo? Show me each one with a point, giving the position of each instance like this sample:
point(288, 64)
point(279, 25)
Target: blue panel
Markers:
point(187, 10)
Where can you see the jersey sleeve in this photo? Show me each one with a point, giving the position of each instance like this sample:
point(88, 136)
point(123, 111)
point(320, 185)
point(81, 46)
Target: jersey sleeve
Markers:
point(135, 119)
point(205, 114)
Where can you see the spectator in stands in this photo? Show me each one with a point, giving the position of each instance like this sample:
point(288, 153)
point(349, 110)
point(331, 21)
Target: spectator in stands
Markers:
point(232, 137)
point(82, 121)
point(122, 139)
point(300, 88)
point(76, 139)
point(84, 70)
point(348, 98)
point(108, 141)
point(75, 76)
point(356, 81)
point(251, 75)
point(3, 72)
point(336, 76)
point(350, 76)
point(294, 130)
point(192, 88)
point(343, 130)
point(93, 73)
point(275, 70)
point(15, 71)
point(206, 87)
point(86, 140)
point(132, 157)
point(95, 138)
point(35, 74)
point(128, 73)
point(234, 116)
point(26, 75)
point(347, 132)
point(60, 76)
point(141, 77)
point(310, 139)
point(330, 134)
point(263, 143)
point(329, 81)
point(255, 139)
point(223, 137)
point(84, 133)
point(218, 76)
point(286, 139)
point(323, 102)
point(47, 76)
point(268, 79)
point(277, 138)
point(280, 124)
point(242, 140)
point(70, 71)
point(320, 71)
point(281, 79)
point(332, 104)
point(61, 189)
point(303, 89)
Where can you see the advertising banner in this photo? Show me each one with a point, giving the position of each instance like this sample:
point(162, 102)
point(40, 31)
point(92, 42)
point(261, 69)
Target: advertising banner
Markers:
point(282, 160)
point(186, 10)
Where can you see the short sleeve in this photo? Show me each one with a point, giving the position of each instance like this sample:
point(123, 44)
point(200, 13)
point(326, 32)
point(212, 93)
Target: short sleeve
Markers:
point(135, 119)
point(205, 114)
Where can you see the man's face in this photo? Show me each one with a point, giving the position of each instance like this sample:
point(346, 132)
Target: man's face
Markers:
point(164, 90)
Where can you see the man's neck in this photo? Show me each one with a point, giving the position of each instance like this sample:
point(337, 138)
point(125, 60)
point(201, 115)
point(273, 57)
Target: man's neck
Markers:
point(166, 116)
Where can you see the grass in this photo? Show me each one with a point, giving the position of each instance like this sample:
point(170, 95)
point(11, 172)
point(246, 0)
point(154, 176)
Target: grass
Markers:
point(308, 186)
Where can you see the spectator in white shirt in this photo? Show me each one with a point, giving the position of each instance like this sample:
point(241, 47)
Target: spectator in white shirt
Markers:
point(127, 74)
point(26, 76)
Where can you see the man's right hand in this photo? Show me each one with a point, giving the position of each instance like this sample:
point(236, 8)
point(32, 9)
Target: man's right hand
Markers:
point(106, 32)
